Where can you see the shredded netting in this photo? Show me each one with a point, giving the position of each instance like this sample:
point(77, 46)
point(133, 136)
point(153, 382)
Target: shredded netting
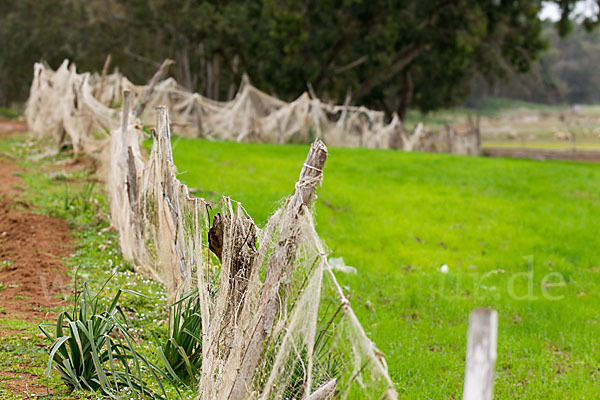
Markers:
point(253, 115)
point(275, 322)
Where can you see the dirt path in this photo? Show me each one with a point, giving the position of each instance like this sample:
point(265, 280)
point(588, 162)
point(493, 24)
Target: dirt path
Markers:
point(32, 276)
point(542, 154)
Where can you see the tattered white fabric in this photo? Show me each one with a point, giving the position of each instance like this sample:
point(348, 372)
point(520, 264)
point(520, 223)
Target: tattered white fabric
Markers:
point(61, 104)
point(275, 322)
point(253, 115)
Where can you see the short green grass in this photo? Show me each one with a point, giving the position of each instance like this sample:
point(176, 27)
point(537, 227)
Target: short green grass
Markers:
point(519, 236)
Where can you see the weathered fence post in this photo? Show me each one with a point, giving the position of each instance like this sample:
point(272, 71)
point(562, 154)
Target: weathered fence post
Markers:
point(125, 116)
point(148, 95)
point(198, 116)
point(449, 139)
point(411, 142)
point(481, 354)
point(478, 133)
point(397, 137)
point(278, 267)
point(103, 77)
point(174, 262)
point(127, 152)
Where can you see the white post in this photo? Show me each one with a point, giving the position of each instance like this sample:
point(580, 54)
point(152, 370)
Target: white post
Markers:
point(481, 354)
point(124, 121)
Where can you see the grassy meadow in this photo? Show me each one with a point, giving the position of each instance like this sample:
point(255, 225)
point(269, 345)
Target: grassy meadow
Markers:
point(519, 236)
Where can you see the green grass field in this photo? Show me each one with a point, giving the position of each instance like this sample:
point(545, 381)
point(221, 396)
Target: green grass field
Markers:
point(397, 217)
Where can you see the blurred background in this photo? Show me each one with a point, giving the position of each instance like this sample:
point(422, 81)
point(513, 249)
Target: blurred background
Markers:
point(394, 56)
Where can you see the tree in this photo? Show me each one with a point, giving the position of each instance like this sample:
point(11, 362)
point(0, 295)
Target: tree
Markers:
point(384, 54)
point(394, 55)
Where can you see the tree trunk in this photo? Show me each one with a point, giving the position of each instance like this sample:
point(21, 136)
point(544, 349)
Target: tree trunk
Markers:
point(103, 77)
point(203, 70)
point(216, 76)
point(232, 84)
point(183, 62)
point(406, 95)
point(401, 60)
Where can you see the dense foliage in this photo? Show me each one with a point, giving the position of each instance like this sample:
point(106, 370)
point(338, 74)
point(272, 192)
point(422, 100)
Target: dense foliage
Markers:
point(387, 55)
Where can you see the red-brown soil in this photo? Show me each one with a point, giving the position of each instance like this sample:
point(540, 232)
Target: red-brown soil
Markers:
point(32, 275)
point(31, 248)
point(8, 126)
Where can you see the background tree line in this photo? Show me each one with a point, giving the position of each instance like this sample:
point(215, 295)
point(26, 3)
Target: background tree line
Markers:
point(388, 55)
point(567, 72)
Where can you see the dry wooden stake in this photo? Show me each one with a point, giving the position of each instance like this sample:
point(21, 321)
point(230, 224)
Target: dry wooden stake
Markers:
point(103, 78)
point(148, 95)
point(279, 262)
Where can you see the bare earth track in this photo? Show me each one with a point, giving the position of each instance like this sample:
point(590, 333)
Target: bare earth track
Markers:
point(541, 154)
point(32, 275)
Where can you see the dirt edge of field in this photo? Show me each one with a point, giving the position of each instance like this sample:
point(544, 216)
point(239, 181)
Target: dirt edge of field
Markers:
point(32, 274)
point(542, 154)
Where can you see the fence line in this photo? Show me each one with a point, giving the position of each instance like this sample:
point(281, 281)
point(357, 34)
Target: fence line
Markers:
point(275, 322)
point(253, 115)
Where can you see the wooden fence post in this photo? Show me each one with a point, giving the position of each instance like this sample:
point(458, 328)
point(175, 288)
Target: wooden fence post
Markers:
point(127, 153)
point(147, 96)
point(125, 118)
point(279, 264)
point(481, 354)
point(103, 77)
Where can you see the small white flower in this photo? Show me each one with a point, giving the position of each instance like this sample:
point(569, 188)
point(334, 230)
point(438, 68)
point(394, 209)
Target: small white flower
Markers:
point(444, 269)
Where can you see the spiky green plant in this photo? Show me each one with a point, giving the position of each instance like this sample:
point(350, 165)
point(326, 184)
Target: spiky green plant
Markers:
point(181, 352)
point(93, 350)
